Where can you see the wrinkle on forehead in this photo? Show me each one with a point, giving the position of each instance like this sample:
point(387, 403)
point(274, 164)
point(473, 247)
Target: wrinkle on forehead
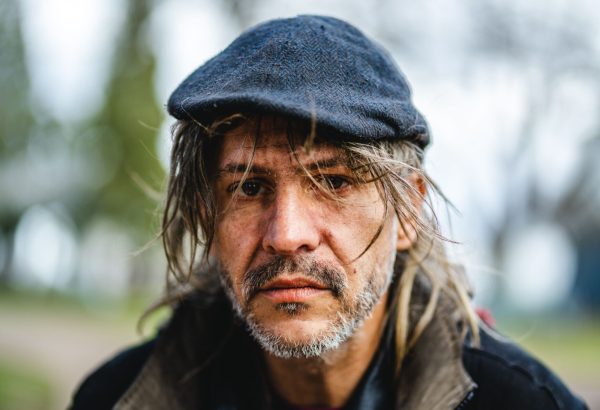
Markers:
point(245, 145)
point(261, 145)
point(265, 130)
point(321, 156)
point(275, 139)
point(241, 167)
point(275, 143)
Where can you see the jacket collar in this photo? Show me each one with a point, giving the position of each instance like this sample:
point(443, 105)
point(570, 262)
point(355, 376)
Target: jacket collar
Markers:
point(432, 375)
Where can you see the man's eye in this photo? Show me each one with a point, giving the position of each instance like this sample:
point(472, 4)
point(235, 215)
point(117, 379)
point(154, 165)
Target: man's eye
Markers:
point(334, 182)
point(251, 188)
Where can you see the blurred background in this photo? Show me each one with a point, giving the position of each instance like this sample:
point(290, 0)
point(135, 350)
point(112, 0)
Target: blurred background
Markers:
point(511, 90)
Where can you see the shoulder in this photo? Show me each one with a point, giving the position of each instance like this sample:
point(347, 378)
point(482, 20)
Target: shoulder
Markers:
point(104, 386)
point(508, 377)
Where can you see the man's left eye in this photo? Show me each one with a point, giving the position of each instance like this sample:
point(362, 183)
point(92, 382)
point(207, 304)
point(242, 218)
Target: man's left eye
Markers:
point(334, 182)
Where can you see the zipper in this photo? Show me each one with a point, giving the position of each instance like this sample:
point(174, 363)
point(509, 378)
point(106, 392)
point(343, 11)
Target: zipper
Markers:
point(468, 398)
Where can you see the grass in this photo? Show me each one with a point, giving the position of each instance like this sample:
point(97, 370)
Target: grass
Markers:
point(119, 311)
point(569, 345)
point(33, 374)
point(22, 388)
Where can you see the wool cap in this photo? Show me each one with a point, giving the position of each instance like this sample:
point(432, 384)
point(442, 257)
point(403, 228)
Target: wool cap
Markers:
point(310, 68)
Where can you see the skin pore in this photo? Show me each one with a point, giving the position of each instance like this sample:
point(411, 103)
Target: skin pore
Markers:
point(289, 257)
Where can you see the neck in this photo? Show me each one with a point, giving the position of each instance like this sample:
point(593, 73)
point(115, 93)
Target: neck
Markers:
point(329, 380)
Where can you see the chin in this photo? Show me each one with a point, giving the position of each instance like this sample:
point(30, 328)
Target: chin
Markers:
point(298, 335)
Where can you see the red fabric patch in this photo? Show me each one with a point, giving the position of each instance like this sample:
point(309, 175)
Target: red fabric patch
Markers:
point(486, 316)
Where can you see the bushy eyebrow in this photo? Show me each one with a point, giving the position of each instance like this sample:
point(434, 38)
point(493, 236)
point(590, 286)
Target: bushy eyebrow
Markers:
point(240, 168)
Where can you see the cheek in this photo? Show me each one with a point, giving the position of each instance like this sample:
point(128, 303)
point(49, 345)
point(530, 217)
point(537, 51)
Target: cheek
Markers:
point(355, 234)
point(351, 228)
point(236, 240)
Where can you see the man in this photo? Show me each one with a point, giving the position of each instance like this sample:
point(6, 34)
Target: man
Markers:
point(306, 267)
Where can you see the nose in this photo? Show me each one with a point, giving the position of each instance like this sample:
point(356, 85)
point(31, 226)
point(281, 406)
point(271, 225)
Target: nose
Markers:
point(290, 227)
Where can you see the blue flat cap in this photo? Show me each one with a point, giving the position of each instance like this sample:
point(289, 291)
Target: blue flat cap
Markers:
point(306, 67)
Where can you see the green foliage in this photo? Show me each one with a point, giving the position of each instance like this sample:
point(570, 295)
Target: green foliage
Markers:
point(22, 388)
point(15, 112)
point(132, 117)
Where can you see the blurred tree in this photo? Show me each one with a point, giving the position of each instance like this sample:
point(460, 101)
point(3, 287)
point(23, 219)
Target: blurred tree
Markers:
point(129, 121)
point(15, 112)
point(96, 168)
point(579, 212)
point(559, 46)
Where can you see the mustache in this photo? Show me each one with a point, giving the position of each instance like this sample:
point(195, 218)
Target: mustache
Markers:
point(327, 275)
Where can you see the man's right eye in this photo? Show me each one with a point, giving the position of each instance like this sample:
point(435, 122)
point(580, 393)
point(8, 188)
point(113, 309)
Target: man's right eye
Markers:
point(248, 188)
point(251, 188)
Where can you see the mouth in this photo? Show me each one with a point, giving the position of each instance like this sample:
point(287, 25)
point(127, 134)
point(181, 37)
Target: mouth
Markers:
point(288, 290)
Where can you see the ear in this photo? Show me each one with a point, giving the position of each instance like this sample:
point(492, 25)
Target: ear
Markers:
point(407, 234)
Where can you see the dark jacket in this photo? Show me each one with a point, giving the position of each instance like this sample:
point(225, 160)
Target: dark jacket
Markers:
point(204, 359)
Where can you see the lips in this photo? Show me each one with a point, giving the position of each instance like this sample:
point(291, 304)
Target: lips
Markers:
point(288, 290)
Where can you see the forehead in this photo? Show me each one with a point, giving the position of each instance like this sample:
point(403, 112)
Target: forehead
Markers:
point(273, 139)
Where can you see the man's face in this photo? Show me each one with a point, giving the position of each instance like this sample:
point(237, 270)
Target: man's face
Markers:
point(288, 253)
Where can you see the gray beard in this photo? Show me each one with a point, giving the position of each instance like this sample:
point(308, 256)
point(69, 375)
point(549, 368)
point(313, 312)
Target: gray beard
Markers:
point(351, 316)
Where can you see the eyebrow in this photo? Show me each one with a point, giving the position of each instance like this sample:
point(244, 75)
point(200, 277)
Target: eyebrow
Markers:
point(240, 168)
